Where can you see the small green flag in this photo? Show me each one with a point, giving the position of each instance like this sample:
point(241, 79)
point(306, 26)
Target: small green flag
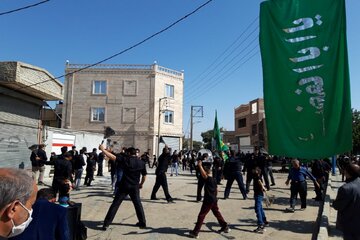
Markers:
point(306, 77)
point(219, 144)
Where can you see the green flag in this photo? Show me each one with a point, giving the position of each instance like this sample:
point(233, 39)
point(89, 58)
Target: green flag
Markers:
point(219, 144)
point(306, 77)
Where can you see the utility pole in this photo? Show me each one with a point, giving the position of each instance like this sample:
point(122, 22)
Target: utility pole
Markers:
point(159, 121)
point(196, 111)
point(191, 128)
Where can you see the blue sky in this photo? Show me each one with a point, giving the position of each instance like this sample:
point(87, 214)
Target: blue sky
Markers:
point(87, 31)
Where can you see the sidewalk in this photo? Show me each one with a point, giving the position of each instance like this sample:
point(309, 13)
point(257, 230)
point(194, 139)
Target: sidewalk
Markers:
point(174, 221)
point(335, 184)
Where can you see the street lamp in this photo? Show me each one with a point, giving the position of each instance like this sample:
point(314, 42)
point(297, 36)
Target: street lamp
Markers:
point(159, 120)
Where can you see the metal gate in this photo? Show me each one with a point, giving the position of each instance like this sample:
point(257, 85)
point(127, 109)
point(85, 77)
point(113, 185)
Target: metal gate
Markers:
point(14, 143)
point(172, 142)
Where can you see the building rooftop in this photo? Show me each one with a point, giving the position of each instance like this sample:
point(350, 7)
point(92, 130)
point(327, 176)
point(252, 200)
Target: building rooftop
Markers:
point(125, 67)
point(31, 80)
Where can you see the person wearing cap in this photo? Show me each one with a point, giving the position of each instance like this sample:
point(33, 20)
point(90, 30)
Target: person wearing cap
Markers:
point(18, 193)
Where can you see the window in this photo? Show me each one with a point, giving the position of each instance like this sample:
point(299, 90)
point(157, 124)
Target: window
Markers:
point(254, 129)
point(242, 123)
point(99, 87)
point(169, 116)
point(169, 90)
point(98, 114)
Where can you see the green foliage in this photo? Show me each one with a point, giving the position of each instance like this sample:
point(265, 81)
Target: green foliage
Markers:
point(207, 137)
point(196, 144)
point(356, 131)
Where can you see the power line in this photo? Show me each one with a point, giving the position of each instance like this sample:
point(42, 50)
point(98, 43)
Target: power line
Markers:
point(121, 52)
point(203, 91)
point(226, 50)
point(23, 8)
point(226, 66)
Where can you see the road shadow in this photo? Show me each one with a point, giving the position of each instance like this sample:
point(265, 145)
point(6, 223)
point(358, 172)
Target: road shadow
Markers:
point(95, 225)
point(296, 226)
point(247, 223)
point(214, 227)
point(183, 232)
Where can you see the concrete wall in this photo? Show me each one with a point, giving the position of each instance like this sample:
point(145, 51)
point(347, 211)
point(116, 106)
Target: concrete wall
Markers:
point(19, 127)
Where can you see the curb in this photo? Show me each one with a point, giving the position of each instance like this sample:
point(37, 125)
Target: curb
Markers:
point(324, 220)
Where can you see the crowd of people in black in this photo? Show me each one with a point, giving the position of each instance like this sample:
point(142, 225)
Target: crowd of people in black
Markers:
point(128, 173)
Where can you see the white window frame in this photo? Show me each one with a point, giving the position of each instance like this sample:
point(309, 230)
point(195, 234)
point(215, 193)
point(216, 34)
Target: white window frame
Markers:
point(171, 92)
point(101, 92)
point(98, 114)
point(167, 114)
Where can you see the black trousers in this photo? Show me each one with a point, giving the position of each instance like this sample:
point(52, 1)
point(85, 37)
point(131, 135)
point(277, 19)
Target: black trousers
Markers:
point(249, 177)
point(100, 169)
point(161, 180)
point(200, 186)
point(134, 193)
point(295, 189)
point(89, 177)
point(319, 190)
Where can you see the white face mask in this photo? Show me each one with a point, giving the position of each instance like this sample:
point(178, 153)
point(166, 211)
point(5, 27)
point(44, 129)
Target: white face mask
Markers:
point(16, 230)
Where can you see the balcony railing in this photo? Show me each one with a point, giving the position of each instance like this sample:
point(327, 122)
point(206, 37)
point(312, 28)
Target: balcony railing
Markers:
point(111, 66)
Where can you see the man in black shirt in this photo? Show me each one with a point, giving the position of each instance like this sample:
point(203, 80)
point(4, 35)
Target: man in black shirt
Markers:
point(160, 172)
point(62, 169)
point(129, 185)
point(234, 173)
point(38, 158)
point(210, 202)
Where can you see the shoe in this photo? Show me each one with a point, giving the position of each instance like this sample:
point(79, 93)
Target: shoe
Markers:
point(170, 200)
point(225, 198)
point(302, 209)
point(260, 229)
point(273, 184)
point(141, 225)
point(266, 223)
point(224, 229)
point(104, 227)
point(193, 234)
point(290, 209)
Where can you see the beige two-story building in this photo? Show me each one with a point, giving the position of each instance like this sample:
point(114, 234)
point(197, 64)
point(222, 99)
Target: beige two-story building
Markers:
point(140, 102)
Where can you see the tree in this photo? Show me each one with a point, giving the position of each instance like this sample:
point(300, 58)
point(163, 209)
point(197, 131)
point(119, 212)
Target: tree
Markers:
point(356, 131)
point(196, 144)
point(208, 137)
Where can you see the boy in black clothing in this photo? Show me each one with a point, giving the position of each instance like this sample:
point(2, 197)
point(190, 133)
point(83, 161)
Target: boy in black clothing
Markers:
point(209, 203)
point(259, 191)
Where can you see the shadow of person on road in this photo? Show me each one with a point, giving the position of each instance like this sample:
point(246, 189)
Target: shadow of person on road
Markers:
point(297, 226)
point(163, 230)
point(214, 227)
